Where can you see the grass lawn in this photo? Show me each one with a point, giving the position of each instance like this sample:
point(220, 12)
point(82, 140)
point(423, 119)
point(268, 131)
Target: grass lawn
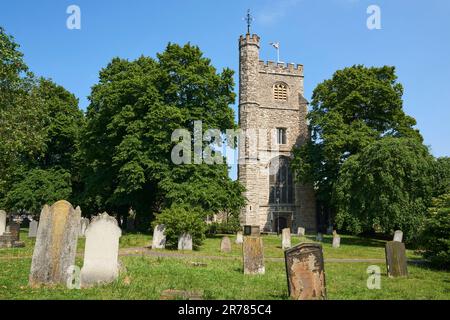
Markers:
point(146, 277)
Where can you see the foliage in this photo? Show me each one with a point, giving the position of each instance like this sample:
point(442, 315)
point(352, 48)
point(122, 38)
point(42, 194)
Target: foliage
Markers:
point(443, 176)
point(435, 237)
point(178, 220)
point(229, 226)
point(389, 184)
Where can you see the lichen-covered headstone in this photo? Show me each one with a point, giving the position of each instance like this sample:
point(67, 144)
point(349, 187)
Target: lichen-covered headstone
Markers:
point(56, 244)
point(225, 244)
point(301, 232)
point(159, 237)
point(305, 272)
point(32, 230)
point(253, 255)
point(2, 222)
point(185, 242)
point(286, 238)
point(396, 259)
point(398, 236)
point(14, 229)
point(239, 237)
point(101, 253)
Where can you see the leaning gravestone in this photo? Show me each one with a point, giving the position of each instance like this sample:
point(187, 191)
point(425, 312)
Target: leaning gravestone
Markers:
point(101, 253)
point(305, 272)
point(301, 232)
point(398, 236)
point(286, 239)
point(396, 259)
point(253, 255)
point(14, 229)
point(56, 244)
point(239, 237)
point(32, 231)
point(225, 245)
point(2, 222)
point(159, 238)
point(185, 242)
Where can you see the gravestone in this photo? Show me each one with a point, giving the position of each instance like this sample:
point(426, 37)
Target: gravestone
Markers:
point(301, 232)
point(225, 244)
point(14, 229)
point(7, 240)
point(56, 244)
point(305, 272)
point(239, 237)
point(32, 231)
point(84, 223)
point(336, 241)
point(185, 242)
point(253, 255)
point(247, 230)
point(101, 253)
point(2, 222)
point(396, 259)
point(286, 238)
point(159, 238)
point(398, 236)
point(319, 237)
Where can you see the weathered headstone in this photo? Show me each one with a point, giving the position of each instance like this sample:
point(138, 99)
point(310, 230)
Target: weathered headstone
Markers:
point(14, 229)
point(396, 259)
point(398, 236)
point(301, 232)
point(305, 272)
point(225, 244)
point(239, 237)
point(56, 244)
point(101, 253)
point(2, 222)
point(336, 241)
point(159, 238)
point(185, 242)
point(32, 230)
point(286, 238)
point(253, 255)
point(319, 237)
point(84, 224)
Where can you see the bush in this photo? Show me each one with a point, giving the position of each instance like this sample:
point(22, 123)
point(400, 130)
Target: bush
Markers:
point(179, 220)
point(231, 226)
point(435, 237)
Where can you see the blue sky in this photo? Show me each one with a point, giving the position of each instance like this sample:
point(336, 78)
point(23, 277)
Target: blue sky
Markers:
point(323, 35)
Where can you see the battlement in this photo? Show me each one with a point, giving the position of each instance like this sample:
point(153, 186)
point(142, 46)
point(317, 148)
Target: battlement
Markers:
point(280, 67)
point(249, 40)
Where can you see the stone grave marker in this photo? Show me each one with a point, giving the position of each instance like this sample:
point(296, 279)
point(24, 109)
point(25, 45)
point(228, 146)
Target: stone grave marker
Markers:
point(336, 240)
point(305, 272)
point(239, 237)
point(398, 236)
point(185, 242)
point(253, 255)
point(14, 229)
point(159, 237)
point(101, 253)
point(56, 244)
point(286, 238)
point(225, 244)
point(396, 259)
point(32, 231)
point(2, 222)
point(173, 294)
point(301, 232)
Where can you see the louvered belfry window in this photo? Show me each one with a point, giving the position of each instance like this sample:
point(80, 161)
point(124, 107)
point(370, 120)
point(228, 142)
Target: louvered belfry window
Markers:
point(280, 92)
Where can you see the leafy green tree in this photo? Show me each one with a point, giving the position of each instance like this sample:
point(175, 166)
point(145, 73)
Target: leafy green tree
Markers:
point(354, 108)
point(443, 176)
point(387, 186)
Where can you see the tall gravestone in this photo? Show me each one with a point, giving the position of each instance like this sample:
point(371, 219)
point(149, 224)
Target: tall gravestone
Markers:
point(185, 242)
point(225, 244)
point(286, 238)
point(159, 237)
point(301, 232)
point(101, 253)
point(253, 255)
point(239, 237)
point(32, 230)
point(336, 240)
point(2, 222)
point(398, 236)
point(14, 229)
point(56, 244)
point(305, 272)
point(396, 259)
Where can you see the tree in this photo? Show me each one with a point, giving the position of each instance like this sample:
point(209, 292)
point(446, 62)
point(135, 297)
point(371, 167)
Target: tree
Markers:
point(443, 176)
point(387, 186)
point(349, 112)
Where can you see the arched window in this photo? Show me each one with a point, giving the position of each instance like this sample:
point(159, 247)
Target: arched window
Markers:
point(280, 92)
point(280, 181)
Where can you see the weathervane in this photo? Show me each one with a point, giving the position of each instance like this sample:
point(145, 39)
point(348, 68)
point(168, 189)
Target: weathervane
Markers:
point(249, 19)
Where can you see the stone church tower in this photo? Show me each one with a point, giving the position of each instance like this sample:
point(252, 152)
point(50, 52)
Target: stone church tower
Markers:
point(272, 115)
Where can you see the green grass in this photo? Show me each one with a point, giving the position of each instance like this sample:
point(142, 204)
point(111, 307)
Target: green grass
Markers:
point(148, 277)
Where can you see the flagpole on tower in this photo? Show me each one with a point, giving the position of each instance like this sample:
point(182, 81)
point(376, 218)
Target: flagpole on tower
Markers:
point(276, 45)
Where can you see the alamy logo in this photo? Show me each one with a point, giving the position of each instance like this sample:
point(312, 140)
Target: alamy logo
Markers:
point(374, 20)
point(74, 20)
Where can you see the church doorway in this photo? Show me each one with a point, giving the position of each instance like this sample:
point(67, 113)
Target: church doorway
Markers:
point(281, 220)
